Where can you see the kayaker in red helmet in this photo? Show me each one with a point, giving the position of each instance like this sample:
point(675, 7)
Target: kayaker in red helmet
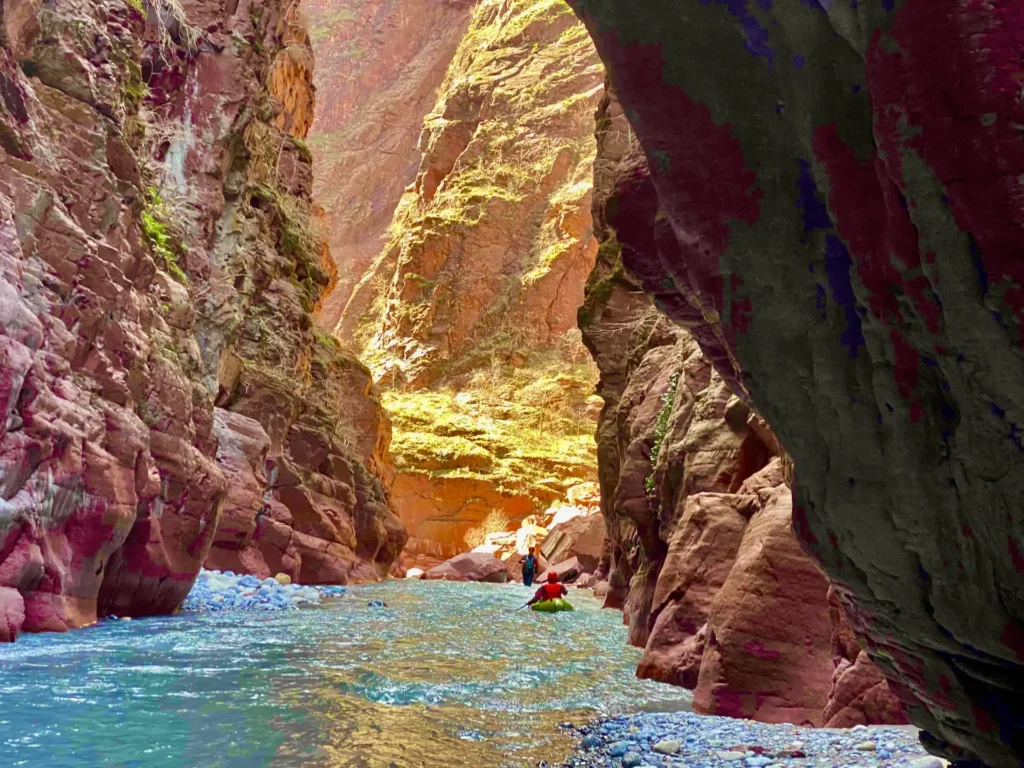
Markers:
point(549, 591)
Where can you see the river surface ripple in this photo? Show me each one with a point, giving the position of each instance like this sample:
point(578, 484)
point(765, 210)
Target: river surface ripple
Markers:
point(447, 675)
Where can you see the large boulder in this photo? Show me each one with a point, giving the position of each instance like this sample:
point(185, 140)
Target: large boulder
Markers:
point(471, 566)
point(567, 571)
point(420, 562)
point(586, 581)
point(860, 694)
point(768, 649)
point(581, 537)
point(701, 554)
point(12, 614)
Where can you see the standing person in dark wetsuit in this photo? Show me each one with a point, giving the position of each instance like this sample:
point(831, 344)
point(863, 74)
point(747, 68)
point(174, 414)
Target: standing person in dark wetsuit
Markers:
point(529, 568)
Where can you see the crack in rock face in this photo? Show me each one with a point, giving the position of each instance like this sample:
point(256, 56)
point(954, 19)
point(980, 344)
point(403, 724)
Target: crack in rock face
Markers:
point(839, 229)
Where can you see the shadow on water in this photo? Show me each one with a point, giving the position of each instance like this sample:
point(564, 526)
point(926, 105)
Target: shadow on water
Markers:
point(448, 674)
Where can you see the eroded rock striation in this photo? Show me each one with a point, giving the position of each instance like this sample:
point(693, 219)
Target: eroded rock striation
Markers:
point(700, 552)
point(158, 367)
point(839, 228)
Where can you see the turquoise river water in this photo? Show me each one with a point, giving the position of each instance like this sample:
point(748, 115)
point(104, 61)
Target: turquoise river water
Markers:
point(447, 675)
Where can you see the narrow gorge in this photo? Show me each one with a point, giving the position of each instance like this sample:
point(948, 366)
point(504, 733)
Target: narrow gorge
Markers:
point(346, 305)
point(466, 311)
point(530, 184)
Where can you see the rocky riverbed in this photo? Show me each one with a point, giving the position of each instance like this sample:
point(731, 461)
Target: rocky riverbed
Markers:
point(228, 591)
point(686, 739)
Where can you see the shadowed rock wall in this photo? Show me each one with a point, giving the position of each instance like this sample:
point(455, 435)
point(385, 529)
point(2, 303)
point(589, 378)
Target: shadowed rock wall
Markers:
point(699, 552)
point(839, 229)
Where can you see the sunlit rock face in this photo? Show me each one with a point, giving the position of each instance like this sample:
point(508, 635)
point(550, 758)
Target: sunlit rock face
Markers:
point(466, 132)
point(839, 228)
point(378, 67)
point(491, 242)
point(157, 262)
point(700, 553)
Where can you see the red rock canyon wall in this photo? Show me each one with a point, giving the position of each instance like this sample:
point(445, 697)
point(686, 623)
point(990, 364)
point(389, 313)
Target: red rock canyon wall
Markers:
point(165, 399)
point(379, 65)
point(455, 146)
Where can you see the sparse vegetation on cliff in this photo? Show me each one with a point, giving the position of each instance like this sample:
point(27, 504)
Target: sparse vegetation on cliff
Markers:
point(298, 237)
point(495, 522)
point(330, 22)
point(154, 220)
point(661, 428)
point(503, 194)
point(467, 314)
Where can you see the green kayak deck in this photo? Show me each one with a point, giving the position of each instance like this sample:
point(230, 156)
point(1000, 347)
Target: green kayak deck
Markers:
point(552, 606)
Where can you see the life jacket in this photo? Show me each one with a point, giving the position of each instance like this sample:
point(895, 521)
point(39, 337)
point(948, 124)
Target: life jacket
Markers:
point(551, 590)
point(530, 564)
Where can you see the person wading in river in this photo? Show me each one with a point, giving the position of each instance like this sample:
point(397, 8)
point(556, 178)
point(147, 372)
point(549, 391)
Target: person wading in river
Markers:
point(549, 591)
point(529, 568)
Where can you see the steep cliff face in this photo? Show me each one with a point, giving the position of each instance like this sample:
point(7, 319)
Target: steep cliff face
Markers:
point(837, 220)
point(467, 314)
point(493, 238)
point(379, 65)
point(700, 554)
point(159, 273)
